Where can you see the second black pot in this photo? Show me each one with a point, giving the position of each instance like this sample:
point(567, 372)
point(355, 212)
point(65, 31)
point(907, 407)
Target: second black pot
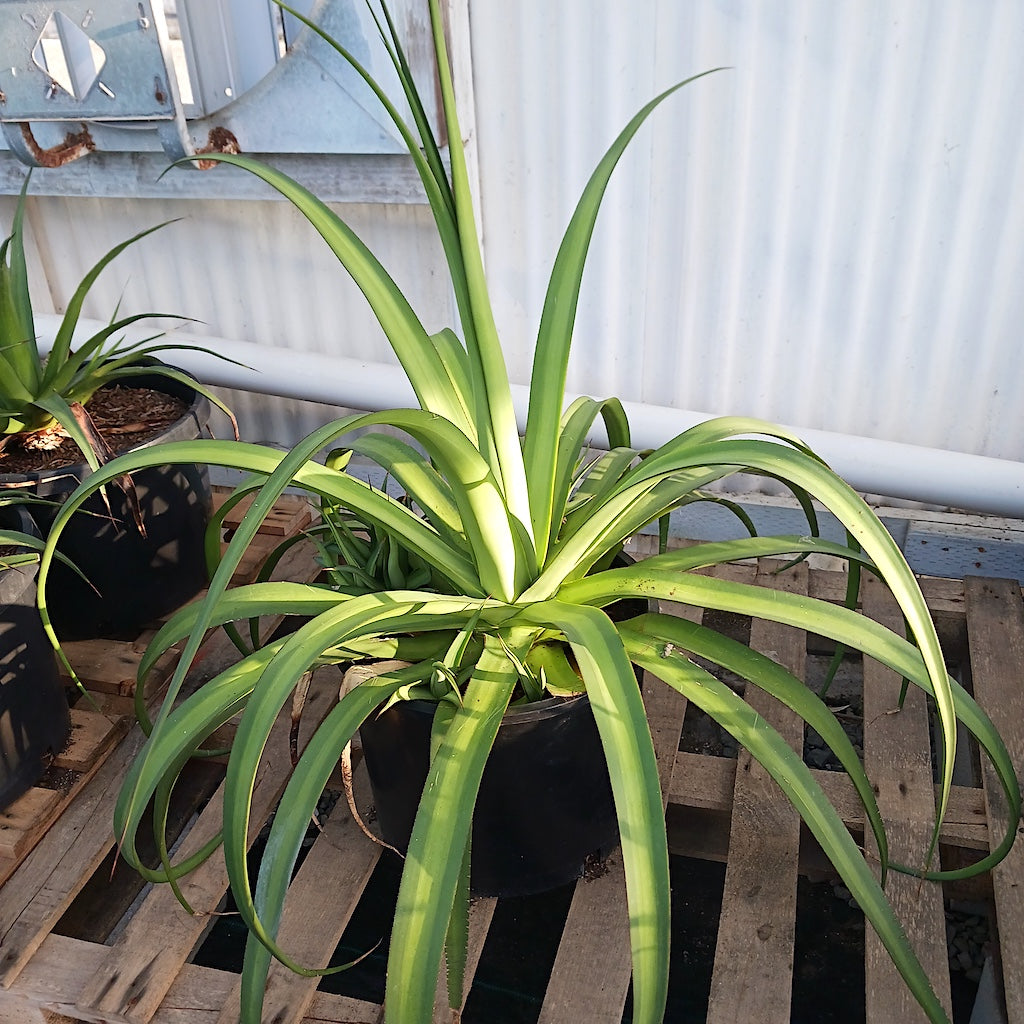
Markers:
point(34, 718)
point(137, 578)
point(545, 803)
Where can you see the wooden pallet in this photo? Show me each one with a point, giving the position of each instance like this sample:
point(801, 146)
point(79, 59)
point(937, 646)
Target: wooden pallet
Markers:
point(719, 809)
point(104, 712)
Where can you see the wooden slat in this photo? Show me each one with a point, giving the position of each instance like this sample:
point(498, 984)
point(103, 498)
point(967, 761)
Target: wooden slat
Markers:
point(49, 878)
point(290, 514)
point(26, 821)
point(161, 935)
point(19, 820)
point(591, 972)
point(702, 780)
point(753, 972)
point(481, 913)
point(298, 563)
point(593, 965)
point(110, 666)
point(106, 666)
point(196, 996)
point(113, 888)
point(91, 733)
point(252, 559)
point(995, 626)
point(320, 902)
point(666, 709)
point(897, 757)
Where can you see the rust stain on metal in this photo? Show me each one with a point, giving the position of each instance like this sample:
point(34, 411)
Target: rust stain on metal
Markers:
point(220, 140)
point(75, 144)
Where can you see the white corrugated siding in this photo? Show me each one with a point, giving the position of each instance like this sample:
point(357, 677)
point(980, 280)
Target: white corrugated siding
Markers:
point(829, 234)
point(252, 271)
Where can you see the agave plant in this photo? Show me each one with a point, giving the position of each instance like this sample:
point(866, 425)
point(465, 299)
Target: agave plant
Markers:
point(516, 535)
point(37, 391)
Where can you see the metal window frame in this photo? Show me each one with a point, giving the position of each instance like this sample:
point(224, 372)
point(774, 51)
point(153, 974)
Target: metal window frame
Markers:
point(230, 46)
point(353, 155)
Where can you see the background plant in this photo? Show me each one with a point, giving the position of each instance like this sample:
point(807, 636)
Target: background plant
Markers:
point(38, 391)
point(518, 534)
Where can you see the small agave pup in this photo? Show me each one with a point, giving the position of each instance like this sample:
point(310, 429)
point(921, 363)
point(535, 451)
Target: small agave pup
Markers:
point(517, 535)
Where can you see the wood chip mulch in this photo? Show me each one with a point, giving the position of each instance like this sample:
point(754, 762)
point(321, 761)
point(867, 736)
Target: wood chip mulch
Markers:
point(124, 416)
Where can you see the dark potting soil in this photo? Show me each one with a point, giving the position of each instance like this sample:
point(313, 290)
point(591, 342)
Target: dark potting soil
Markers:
point(123, 416)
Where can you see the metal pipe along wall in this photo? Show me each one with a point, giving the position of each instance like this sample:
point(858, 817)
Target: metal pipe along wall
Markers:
point(973, 482)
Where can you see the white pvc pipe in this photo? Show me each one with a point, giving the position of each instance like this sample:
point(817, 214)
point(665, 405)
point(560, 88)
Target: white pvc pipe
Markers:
point(959, 480)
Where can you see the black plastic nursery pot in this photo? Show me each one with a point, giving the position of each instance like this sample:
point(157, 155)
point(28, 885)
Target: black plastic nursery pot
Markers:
point(545, 804)
point(137, 578)
point(34, 718)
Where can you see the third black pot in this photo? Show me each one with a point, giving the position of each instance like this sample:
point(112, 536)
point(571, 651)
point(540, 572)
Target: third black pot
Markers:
point(138, 578)
point(545, 803)
point(34, 718)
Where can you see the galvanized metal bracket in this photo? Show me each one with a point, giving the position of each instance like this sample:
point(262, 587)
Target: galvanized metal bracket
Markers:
point(81, 62)
point(79, 73)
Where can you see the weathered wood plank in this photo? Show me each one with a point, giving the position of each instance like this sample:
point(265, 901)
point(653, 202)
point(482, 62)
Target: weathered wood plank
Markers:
point(590, 976)
point(702, 780)
point(23, 823)
point(320, 902)
point(290, 514)
point(106, 666)
point(995, 626)
point(197, 995)
point(91, 734)
point(753, 973)
point(593, 965)
point(666, 709)
point(112, 889)
point(897, 757)
point(49, 878)
point(161, 935)
point(481, 913)
point(19, 820)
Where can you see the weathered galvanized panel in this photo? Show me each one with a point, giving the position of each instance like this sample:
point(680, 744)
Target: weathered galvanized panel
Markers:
point(826, 234)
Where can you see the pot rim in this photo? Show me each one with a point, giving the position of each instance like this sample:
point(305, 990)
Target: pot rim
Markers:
point(198, 411)
point(546, 707)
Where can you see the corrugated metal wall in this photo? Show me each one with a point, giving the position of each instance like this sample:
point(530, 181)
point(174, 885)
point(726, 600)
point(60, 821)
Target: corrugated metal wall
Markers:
point(252, 271)
point(829, 234)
